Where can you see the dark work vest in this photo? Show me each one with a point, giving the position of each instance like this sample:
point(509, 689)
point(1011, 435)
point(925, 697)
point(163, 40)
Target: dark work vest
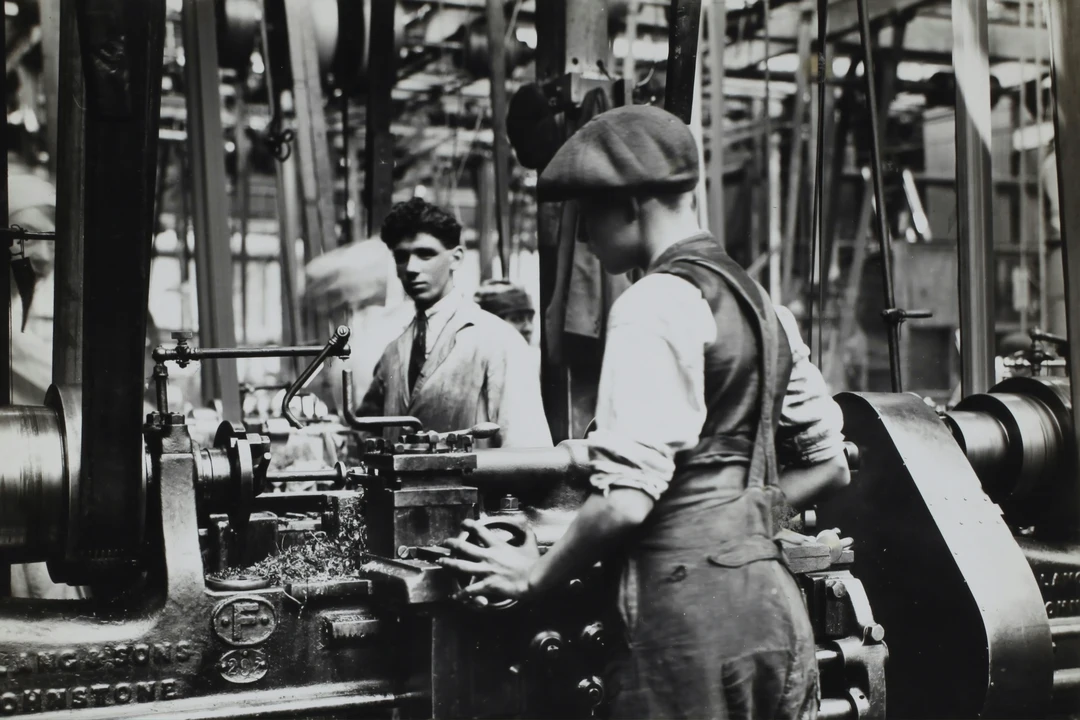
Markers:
point(733, 396)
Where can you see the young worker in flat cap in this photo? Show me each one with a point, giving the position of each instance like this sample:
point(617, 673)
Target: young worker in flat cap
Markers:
point(508, 301)
point(684, 464)
point(455, 365)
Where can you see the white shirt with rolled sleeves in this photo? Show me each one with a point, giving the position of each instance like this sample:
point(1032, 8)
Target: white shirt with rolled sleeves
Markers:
point(651, 400)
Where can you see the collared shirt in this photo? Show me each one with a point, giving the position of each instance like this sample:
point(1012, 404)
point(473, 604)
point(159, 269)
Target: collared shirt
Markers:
point(438, 315)
point(651, 401)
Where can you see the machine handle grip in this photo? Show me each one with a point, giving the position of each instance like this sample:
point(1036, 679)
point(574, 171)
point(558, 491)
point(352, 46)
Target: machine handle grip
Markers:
point(370, 423)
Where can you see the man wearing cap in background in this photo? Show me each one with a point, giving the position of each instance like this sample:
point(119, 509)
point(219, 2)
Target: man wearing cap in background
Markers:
point(509, 302)
point(455, 365)
point(684, 465)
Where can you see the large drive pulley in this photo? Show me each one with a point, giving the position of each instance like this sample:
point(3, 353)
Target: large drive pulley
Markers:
point(1018, 438)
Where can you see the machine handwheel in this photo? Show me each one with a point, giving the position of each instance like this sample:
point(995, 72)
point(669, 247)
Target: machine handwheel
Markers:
point(515, 536)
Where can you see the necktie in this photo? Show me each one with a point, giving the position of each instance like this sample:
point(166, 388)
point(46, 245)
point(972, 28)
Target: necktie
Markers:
point(419, 349)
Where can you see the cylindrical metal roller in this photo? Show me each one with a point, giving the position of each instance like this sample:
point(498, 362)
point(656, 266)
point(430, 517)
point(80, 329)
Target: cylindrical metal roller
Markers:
point(1016, 443)
point(33, 497)
point(983, 439)
point(530, 468)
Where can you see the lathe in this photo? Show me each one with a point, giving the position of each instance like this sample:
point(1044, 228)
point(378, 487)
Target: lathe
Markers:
point(171, 628)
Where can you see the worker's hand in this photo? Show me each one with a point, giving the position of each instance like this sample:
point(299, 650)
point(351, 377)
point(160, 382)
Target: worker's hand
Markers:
point(498, 569)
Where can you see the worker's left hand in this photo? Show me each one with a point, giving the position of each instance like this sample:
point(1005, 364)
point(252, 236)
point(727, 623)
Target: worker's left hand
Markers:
point(498, 569)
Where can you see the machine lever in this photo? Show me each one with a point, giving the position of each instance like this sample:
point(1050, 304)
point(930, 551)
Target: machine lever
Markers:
point(337, 345)
point(479, 431)
point(377, 422)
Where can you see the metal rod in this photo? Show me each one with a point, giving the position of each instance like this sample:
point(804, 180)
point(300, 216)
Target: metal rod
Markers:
point(884, 237)
point(1066, 681)
point(161, 387)
point(765, 145)
point(1022, 210)
point(827, 657)
point(1065, 627)
point(682, 57)
point(188, 354)
point(974, 194)
point(817, 250)
point(629, 68)
point(17, 233)
point(1040, 112)
point(1065, 61)
point(497, 48)
point(5, 258)
point(798, 139)
point(329, 474)
point(717, 37)
point(335, 346)
point(243, 191)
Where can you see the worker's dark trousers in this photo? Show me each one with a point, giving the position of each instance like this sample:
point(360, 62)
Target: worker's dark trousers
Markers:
point(715, 622)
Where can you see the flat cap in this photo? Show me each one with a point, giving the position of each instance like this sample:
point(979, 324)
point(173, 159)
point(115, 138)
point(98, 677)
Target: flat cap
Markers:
point(501, 298)
point(631, 149)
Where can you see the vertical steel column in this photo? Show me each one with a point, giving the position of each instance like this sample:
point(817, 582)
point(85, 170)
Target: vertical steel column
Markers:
point(497, 49)
point(213, 253)
point(798, 140)
point(571, 37)
point(379, 143)
point(5, 258)
point(717, 39)
point(5, 298)
point(67, 349)
point(122, 43)
point(682, 57)
point(629, 68)
point(312, 151)
point(485, 215)
point(974, 194)
point(1064, 24)
point(51, 50)
point(892, 318)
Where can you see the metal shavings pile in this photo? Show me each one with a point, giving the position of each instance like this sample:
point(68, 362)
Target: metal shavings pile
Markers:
point(316, 558)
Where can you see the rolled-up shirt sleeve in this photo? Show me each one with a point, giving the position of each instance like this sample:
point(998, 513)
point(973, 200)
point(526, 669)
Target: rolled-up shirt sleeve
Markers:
point(811, 423)
point(651, 399)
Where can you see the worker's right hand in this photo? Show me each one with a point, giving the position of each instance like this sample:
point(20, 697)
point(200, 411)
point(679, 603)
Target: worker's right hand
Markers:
point(498, 569)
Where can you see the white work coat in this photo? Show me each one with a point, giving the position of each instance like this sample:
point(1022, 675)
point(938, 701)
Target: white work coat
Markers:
point(479, 370)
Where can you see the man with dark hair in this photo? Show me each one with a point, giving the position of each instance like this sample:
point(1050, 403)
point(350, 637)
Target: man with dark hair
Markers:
point(455, 365)
point(508, 301)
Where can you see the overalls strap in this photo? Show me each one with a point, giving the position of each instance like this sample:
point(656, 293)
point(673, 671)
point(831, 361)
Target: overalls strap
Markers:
point(763, 465)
